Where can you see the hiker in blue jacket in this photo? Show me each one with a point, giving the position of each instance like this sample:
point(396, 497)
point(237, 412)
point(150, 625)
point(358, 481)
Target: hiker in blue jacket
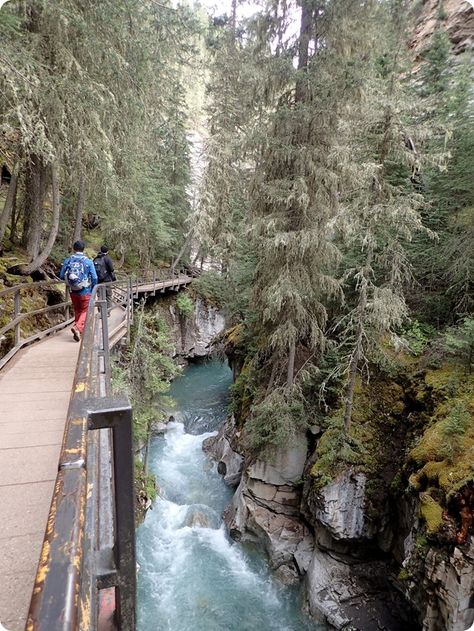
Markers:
point(79, 273)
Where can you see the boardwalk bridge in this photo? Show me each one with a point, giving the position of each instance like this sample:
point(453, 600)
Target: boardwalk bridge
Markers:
point(66, 464)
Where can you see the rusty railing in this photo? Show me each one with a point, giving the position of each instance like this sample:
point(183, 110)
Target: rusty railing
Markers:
point(89, 544)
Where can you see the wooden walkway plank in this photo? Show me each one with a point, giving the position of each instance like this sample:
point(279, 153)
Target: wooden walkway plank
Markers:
point(34, 396)
point(35, 389)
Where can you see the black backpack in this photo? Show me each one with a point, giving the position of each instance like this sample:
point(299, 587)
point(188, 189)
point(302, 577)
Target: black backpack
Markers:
point(101, 268)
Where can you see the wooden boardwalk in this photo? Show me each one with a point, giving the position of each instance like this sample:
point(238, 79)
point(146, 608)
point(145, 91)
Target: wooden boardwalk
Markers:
point(35, 389)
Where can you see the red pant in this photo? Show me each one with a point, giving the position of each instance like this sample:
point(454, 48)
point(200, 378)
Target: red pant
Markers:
point(80, 304)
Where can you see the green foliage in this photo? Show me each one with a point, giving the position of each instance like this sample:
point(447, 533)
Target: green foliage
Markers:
point(459, 342)
point(417, 336)
point(457, 421)
point(185, 305)
point(276, 421)
point(336, 451)
point(98, 89)
point(212, 287)
point(144, 370)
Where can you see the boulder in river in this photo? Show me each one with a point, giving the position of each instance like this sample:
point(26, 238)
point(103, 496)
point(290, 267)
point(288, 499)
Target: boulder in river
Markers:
point(219, 448)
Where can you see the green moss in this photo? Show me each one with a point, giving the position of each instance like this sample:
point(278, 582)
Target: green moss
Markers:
point(431, 512)
point(335, 452)
point(243, 393)
point(377, 409)
point(404, 574)
point(444, 381)
point(421, 542)
point(444, 455)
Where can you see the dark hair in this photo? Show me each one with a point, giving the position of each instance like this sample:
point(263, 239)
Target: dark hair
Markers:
point(79, 246)
point(104, 249)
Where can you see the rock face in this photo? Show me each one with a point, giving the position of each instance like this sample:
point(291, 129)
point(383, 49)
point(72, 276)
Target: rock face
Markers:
point(340, 507)
point(356, 595)
point(457, 18)
point(196, 334)
point(229, 461)
point(451, 582)
point(266, 510)
point(440, 585)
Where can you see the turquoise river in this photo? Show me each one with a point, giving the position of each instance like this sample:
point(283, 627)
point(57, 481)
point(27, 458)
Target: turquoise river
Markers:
point(192, 576)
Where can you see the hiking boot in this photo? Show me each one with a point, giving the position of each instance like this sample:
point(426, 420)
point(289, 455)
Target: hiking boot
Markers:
point(75, 334)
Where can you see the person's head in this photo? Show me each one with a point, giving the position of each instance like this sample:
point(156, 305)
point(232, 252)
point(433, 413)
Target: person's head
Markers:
point(79, 246)
point(104, 249)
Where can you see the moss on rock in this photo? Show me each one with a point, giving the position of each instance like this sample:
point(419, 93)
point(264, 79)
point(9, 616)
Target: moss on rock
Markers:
point(444, 455)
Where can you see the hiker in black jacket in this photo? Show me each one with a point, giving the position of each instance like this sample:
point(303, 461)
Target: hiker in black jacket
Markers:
point(105, 272)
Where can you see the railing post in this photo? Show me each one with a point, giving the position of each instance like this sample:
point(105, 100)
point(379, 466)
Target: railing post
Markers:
point(105, 352)
point(119, 419)
point(67, 308)
point(17, 309)
point(125, 521)
point(130, 301)
point(154, 282)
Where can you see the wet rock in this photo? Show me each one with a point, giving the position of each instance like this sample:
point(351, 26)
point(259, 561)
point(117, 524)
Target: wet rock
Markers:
point(279, 499)
point(256, 516)
point(198, 520)
point(358, 595)
point(201, 516)
point(286, 466)
point(159, 428)
point(340, 507)
point(304, 554)
point(229, 461)
point(200, 329)
point(279, 534)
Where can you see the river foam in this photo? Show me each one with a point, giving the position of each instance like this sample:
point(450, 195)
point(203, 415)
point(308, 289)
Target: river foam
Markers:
point(193, 577)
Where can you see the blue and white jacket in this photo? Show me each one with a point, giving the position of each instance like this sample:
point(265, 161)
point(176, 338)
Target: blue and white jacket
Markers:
point(89, 265)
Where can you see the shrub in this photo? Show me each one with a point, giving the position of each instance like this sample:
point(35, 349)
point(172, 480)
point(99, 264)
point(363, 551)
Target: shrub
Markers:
point(211, 286)
point(185, 305)
point(459, 341)
point(276, 420)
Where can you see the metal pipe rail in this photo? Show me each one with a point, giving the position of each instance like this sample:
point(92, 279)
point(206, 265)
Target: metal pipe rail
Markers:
point(89, 544)
point(73, 565)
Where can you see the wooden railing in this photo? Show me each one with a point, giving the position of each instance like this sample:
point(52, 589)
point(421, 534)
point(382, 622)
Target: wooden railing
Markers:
point(12, 297)
point(147, 281)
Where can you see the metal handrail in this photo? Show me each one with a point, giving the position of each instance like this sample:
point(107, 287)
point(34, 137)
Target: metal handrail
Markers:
point(94, 483)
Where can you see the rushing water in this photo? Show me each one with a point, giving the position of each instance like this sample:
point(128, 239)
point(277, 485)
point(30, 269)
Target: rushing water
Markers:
point(193, 577)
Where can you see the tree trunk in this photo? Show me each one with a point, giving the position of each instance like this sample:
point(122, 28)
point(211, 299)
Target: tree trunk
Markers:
point(306, 31)
point(233, 18)
point(186, 243)
point(291, 365)
point(41, 257)
point(9, 203)
point(357, 354)
point(34, 210)
point(14, 221)
point(81, 200)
